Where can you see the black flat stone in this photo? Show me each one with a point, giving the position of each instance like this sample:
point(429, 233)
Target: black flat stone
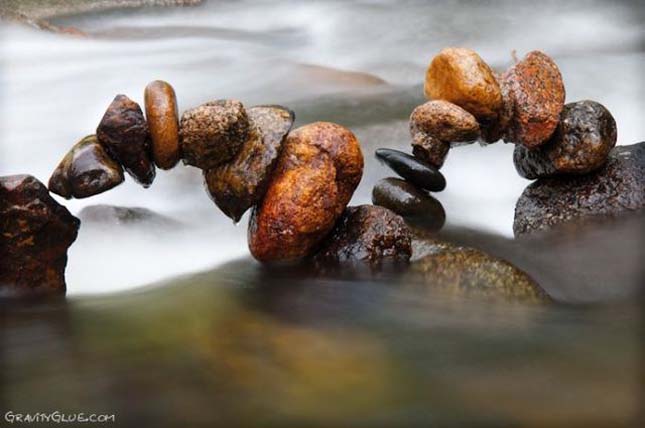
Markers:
point(414, 170)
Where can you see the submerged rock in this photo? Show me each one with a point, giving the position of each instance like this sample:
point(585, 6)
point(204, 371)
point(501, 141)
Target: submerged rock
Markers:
point(414, 170)
point(580, 144)
point(86, 170)
point(213, 133)
point(415, 205)
point(467, 272)
point(317, 172)
point(36, 233)
point(163, 121)
point(616, 188)
point(241, 183)
point(367, 233)
point(429, 149)
point(444, 121)
point(124, 133)
point(536, 92)
point(111, 215)
point(460, 76)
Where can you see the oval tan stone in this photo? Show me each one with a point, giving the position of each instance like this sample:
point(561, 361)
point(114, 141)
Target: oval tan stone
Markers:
point(163, 121)
point(317, 172)
point(444, 121)
point(460, 76)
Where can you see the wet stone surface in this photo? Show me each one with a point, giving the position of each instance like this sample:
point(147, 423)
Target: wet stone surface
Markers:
point(213, 133)
point(86, 170)
point(580, 144)
point(415, 205)
point(615, 189)
point(242, 182)
point(445, 121)
point(163, 121)
point(317, 172)
point(369, 234)
point(460, 76)
point(414, 170)
point(124, 133)
point(36, 233)
point(536, 92)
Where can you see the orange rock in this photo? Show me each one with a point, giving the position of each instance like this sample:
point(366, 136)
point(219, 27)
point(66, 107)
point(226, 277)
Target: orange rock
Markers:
point(163, 121)
point(317, 172)
point(460, 76)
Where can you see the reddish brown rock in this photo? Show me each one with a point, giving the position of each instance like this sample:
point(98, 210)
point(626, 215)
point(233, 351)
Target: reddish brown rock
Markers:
point(163, 121)
point(495, 131)
point(537, 95)
point(444, 121)
point(213, 133)
point(36, 233)
point(429, 149)
point(581, 143)
point(124, 133)
point(239, 184)
point(460, 76)
point(86, 170)
point(369, 234)
point(317, 172)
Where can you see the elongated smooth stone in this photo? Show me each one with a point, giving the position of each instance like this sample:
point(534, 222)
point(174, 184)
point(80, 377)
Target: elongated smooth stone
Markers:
point(414, 170)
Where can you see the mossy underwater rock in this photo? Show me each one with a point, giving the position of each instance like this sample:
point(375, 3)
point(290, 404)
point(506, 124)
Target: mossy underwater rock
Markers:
point(317, 172)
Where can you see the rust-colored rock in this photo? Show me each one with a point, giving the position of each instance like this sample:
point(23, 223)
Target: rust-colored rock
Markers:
point(369, 234)
point(86, 170)
point(536, 93)
point(581, 143)
point(317, 172)
point(495, 131)
point(36, 233)
point(163, 121)
point(444, 121)
point(460, 76)
point(239, 184)
point(429, 149)
point(213, 133)
point(124, 133)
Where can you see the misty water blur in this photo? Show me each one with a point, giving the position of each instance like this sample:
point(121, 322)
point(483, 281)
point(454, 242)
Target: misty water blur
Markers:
point(55, 88)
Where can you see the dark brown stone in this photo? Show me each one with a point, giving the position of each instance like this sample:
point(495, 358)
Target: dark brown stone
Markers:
point(317, 172)
point(367, 233)
point(124, 133)
point(213, 133)
point(239, 184)
point(163, 121)
point(580, 144)
point(615, 189)
point(36, 233)
point(445, 121)
point(429, 149)
point(86, 170)
point(537, 95)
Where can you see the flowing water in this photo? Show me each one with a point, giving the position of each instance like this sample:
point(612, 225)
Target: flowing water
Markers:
point(239, 343)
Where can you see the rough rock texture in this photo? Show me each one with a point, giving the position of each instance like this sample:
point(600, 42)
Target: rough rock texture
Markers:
point(317, 172)
point(467, 272)
point(495, 130)
point(124, 133)
point(36, 233)
point(415, 205)
point(86, 170)
point(213, 133)
point(429, 149)
point(616, 188)
point(460, 76)
point(367, 233)
point(537, 94)
point(241, 183)
point(414, 170)
point(580, 144)
point(445, 121)
point(163, 121)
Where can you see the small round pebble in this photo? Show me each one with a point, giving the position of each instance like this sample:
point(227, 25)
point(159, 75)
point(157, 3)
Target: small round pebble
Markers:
point(124, 133)
point(416, 171)
point(415, 205)
point(429, 149)
point(163, 121)
point(536, 92)
point(581, 143)
point(445, 121)
point(213, 133)
point(460, 76)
